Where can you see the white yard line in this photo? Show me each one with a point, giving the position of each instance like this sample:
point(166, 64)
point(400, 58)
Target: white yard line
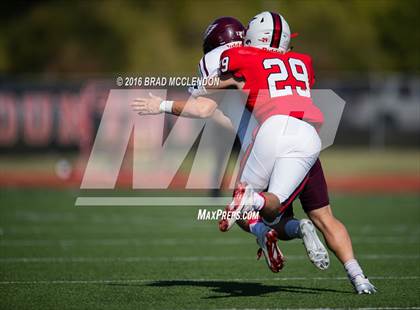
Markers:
point(135, 259)
point(153, 201)
point(178, 241)
point(121, 241)
point(108, 281)
point(41, 223)
point(375, 308)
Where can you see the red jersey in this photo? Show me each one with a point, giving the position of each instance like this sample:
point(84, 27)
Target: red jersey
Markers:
point(277, 83)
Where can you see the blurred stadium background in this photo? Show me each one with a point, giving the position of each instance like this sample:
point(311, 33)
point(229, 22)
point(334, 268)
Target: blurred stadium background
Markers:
point(58, 60)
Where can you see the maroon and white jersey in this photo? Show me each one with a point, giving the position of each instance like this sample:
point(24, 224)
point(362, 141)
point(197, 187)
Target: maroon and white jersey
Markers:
point(209, 67)
point(209, 63)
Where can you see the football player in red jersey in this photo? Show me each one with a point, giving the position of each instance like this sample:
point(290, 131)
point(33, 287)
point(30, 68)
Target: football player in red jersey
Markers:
point(286, 145)
point(287, 77)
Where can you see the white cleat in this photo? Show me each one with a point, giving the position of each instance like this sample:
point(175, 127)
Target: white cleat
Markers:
point(362, 285)
point(242, 202)
point(316, 251)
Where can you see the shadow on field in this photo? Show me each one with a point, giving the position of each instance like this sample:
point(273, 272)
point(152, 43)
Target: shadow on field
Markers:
point(236, 289)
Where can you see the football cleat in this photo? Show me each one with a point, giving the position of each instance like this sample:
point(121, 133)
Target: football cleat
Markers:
point(362, 285)
point(272, 254)
point(242, 202)
point(316, 251)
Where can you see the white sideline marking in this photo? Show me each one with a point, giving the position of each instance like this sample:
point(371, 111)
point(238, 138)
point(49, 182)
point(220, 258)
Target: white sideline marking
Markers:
point(198, 280)
point(175, 258)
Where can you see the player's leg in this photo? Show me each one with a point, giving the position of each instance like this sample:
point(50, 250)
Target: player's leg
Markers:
point(335, 234)
point(266, 237)
point(289, 178)
point(338, 240)
point(313, 194)
point(244, 225)
point(286, 228)
point(284, 151)
point(296, 151)
point(291, 228)
point(255, 174)
point(315, 202)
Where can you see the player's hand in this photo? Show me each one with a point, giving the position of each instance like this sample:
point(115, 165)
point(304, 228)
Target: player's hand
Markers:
point(144, 106)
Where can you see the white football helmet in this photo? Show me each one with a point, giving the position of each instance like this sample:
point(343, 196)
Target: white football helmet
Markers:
point(268, 30)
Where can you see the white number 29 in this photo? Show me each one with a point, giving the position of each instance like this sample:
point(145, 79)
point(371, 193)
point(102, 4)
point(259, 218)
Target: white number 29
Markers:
point(282, 75)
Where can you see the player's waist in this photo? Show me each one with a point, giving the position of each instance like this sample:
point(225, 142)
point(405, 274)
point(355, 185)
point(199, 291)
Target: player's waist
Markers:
point(308, 113)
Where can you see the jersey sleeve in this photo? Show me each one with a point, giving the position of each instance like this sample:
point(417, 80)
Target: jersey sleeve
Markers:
point(200, 71)
point(230, 61)
point(209, 64)
point(202, 68)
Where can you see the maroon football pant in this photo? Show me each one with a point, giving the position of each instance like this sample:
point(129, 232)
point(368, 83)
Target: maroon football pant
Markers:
point(314, 194)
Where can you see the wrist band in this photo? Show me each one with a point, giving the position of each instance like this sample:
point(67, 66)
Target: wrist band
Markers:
point(166, 106)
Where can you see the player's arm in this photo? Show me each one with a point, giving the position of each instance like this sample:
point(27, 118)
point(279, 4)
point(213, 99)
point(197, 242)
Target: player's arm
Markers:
point(197, 105)
point(226, 81)
point(222, 119)
point(200, 107)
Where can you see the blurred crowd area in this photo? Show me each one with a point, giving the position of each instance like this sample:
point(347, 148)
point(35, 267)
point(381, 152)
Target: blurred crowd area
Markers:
point(58, 60)
point(69, 38)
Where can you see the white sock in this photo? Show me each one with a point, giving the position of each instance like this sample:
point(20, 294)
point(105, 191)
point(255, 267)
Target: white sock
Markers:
point(259, 201)
point(353, 269)
point(258, 228)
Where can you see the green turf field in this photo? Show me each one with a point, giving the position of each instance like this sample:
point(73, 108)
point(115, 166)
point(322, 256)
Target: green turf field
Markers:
point(56, 256)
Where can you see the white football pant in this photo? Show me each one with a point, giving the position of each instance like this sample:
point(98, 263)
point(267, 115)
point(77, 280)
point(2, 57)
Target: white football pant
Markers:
point(284, 150)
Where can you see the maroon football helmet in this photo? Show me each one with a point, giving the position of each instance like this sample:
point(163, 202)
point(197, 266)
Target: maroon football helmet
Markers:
point(222, 31)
